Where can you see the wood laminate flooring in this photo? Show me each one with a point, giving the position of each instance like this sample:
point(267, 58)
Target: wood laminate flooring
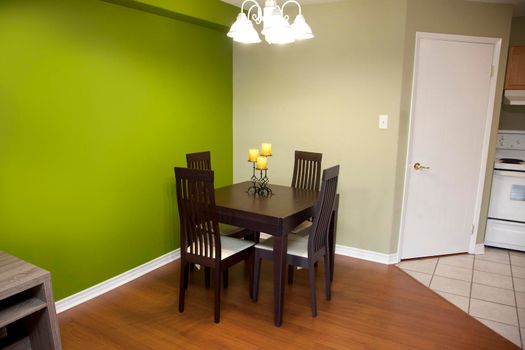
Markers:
point(373, 306)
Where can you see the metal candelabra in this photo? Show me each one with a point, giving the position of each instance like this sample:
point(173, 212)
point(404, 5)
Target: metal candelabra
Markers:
point(260, 184)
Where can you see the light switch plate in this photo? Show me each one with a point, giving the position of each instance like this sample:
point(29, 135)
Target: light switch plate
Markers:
point(383, 121)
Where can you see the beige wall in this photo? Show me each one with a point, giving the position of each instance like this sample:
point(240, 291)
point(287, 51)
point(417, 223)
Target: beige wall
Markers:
point(513, 117)
point(326, 94)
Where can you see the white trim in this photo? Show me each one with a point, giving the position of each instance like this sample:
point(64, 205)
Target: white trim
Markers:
point(486, 138)
point(114, 282)
point(366, 254)
point(480, 249)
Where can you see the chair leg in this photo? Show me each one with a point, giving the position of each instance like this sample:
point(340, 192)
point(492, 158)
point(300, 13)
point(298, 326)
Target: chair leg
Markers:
point(217, 300)
point(182, 284)
point(291, 270)
point(207, 277)
point(256, 276)
point(311, 273)
point(186, 275)
point(249, 262)
point(257, 237)
point(225, 278)
point(327, 275)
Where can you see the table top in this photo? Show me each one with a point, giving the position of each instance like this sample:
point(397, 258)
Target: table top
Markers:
point(17, 275)
point(282, 211)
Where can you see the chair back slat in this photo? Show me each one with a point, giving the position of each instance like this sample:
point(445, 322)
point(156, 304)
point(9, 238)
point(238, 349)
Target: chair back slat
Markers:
point(198, 219)
point(199, 160)
point(318, 236)
point(307, 170)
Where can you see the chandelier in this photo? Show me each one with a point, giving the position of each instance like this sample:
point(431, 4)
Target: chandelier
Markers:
point(276, 28)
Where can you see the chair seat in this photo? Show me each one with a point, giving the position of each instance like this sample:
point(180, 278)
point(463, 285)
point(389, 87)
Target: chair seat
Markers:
point(302, 229)
point(229, 246)
point(229, 230)
point(297, 245)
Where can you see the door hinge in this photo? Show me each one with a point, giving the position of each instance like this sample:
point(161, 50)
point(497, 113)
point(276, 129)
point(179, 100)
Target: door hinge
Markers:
point(492, 69)
point(472, 231)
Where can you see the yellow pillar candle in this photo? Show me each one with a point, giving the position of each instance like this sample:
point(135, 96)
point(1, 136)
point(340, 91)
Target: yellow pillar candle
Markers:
point(262, 163)
point(253, 154)
point(266, 149)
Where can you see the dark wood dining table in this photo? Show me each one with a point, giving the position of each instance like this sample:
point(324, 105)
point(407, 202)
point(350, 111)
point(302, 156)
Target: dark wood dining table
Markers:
point(276, 215)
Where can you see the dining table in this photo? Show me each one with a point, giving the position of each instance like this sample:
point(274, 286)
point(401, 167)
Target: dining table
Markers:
point(276, 214)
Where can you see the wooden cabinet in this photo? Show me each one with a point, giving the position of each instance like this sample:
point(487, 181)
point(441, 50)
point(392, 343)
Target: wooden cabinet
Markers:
point(27, 308)
point(515, 79)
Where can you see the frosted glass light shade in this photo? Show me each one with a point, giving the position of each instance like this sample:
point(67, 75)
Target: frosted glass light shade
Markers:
point(279, 31)
point(242, 31)
point(301, 29)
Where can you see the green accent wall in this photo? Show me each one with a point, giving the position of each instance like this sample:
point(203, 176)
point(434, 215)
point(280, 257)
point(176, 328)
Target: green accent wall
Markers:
point(98, 102)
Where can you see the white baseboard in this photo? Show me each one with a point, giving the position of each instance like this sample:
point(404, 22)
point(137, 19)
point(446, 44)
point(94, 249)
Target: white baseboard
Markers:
point(366, 254)
point(479, 249)
point(117, 281)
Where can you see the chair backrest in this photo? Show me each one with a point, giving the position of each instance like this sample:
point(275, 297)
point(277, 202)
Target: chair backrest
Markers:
point(307, 170)
point(317, 238)
point(199, 160)
point(199, 227)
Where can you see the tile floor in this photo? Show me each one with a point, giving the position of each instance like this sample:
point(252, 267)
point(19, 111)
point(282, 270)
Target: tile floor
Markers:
point(489, 287)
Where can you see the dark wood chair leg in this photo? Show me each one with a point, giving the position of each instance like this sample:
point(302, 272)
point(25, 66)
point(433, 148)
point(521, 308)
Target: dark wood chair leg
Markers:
point(249, 262)
point(256, 276)
point(186, 275)
point(311, 273)
point(327, 276)
point(257, 237)
point(207, 277)
point(182, 284)
point(217, 299)
point(332, 236)
point(291, 270)
point(225, 278)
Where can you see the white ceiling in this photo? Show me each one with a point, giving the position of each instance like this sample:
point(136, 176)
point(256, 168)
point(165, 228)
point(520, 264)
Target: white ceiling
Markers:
point(519, 5)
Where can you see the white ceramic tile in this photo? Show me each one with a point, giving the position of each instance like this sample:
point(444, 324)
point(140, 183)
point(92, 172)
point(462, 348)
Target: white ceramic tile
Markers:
point(518, 271)
point(494, 294)
point(493, 267)
point(506, 331)
point(458, 300)
point(517, 260)
point(520, 300)
point(458, 273)
point(463, 260)
point(493, 312)
point(420, 265)
point(421, 277)
point(495, 255)
point(492, 279)
point(449, 285)
point(519, 284)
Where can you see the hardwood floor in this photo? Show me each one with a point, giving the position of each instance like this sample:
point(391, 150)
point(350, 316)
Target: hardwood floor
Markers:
point(373, 306)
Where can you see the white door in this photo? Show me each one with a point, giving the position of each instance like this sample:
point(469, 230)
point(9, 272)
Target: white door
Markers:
point(452, 101)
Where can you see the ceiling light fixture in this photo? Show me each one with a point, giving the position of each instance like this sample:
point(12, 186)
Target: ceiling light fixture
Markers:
point(276, 28)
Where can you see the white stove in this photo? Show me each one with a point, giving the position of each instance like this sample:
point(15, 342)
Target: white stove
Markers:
point(506, 221)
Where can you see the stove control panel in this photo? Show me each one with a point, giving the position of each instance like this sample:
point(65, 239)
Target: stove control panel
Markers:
point(512, 140)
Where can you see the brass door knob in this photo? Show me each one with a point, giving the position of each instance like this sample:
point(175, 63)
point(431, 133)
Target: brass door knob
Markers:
point(418, 166)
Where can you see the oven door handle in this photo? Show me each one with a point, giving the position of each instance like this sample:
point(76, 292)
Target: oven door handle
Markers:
point(507, 173)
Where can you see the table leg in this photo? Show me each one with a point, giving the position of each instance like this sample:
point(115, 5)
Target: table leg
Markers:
point(332, 235)
point(279, 271)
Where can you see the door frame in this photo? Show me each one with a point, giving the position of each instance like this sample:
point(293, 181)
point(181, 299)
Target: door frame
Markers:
point(486, 137)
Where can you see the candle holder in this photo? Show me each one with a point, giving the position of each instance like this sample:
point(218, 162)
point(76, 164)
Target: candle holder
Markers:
point(259, 184)
point(253, 189)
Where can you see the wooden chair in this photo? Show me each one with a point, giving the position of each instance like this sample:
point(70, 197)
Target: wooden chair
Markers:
point(201, 242)
point(202, 161)
point(199, 160)
point(306, 251)
point(306, 175)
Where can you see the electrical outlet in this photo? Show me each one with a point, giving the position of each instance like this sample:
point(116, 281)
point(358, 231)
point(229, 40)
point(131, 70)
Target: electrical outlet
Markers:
point(383, 121)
